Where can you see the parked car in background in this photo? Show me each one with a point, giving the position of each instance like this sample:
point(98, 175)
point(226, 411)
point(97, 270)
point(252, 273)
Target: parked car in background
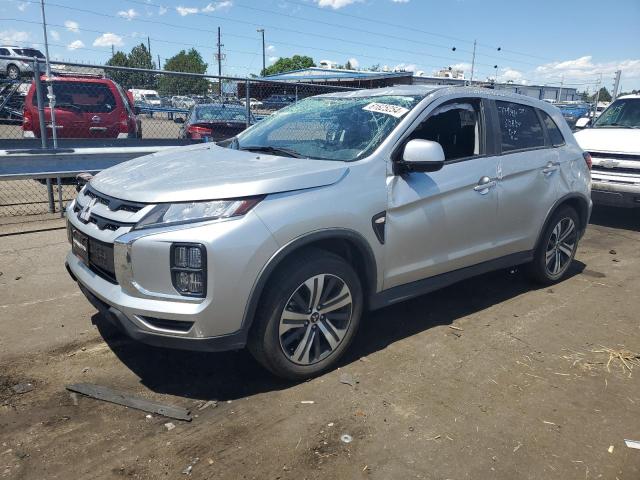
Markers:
point(253, 103)
point(182, 101)
point(573, 111)
point(282, 236)
point(275, 102)
point(613, 140)
point(14, 69)
point(215, 121)
point(85, 107)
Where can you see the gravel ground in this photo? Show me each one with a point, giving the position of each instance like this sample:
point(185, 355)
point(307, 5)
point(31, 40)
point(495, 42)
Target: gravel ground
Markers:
point(489, 378)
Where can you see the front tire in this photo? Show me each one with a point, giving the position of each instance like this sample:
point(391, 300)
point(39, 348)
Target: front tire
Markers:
point(557, 247)
point(308, 315)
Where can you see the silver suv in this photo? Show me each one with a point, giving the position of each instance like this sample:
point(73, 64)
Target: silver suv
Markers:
point(14, 68)
point(282, 237)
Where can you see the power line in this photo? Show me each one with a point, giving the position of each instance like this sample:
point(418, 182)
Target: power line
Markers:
point(192, 28)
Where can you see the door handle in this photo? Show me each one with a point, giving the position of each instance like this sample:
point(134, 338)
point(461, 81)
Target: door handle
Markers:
point(550, 168)
point(484, 185)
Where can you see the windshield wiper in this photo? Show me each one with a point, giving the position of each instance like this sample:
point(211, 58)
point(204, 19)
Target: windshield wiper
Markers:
point(68, 105)
point(269, 149)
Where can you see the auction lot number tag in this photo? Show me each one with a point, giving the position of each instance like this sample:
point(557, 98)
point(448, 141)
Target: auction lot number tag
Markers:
point(393, 110)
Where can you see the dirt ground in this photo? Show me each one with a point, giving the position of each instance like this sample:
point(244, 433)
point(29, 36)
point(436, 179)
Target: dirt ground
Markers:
point(490, 378)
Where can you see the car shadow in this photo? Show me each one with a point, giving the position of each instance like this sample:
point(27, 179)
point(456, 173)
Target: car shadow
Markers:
point(233, 375)
point(615, 217)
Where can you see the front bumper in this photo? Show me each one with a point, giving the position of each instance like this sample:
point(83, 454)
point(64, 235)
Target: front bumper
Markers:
point(142, 300)
point(615, 194)
point(118, 319)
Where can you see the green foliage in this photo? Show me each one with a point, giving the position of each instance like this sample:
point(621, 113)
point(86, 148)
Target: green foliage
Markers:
point(119, 59)
point(190, 61)
point(605, 96)
point(348, 65)
point(285, 64)
point(138, 58)
point(375, 68)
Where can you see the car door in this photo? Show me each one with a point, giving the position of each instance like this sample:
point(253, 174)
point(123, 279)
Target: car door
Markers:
point(528, 176)
point(441, 221)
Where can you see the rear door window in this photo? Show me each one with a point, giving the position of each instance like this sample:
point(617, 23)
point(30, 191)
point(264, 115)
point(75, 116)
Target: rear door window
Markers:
point(86, 97)
point(555, 135)
point(520, 128)
point(4, 51)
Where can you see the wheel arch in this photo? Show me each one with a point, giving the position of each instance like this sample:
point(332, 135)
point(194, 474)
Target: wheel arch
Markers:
point(348, 244)
point(576, 201)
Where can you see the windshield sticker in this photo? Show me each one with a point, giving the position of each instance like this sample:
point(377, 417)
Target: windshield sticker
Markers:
point(386, 108)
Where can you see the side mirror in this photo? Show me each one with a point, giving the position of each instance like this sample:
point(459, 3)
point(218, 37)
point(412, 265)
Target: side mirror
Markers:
point(136, 110)
point(178, 120)
point(421, 156)
point(583, 122)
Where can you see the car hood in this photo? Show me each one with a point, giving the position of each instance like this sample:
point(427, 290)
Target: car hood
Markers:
point(614, 140)
point(208, 172)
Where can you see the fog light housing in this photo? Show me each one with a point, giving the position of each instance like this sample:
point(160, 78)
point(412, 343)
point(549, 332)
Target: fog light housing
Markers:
point(189, 269)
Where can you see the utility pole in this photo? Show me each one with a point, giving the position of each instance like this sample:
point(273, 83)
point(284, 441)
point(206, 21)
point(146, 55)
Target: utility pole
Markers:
point(473, 62)
point(50, 95)
point(219, 56)
point(159, 67)
point(616, 85)
point(560, 91)
point(113, 52)
point(149, 47)
point(595, 105)
point(264, 63)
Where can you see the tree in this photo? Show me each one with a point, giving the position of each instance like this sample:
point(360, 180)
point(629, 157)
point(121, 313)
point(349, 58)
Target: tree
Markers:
point(375, 68)
point(348, 66)
point(140, 57)
point(285, 64)
point(191, 62)
point(119, 59)
point(605, 96)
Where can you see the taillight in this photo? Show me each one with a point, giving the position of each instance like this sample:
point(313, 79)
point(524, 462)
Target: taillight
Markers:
point(124, 122)
point(27, 120)
point(198, 132)
point(587, 159)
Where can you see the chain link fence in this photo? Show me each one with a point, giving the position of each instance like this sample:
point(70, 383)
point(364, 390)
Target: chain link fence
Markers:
point(111, 103)
point(106, 106)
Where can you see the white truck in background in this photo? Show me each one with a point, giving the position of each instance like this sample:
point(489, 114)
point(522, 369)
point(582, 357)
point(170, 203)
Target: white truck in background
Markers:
point(146, 97)
point(613, 140)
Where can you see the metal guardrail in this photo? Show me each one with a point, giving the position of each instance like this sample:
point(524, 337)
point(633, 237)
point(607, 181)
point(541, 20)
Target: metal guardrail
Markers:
point(16, 164)
point(34, 182)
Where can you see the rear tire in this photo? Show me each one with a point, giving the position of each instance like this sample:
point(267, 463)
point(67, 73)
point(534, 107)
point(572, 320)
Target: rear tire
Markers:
point(13, 72)
point(557, 247)
point(308, 315)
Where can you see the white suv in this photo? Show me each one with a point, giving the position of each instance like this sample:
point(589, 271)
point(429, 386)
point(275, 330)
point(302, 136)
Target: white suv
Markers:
point(280, 238)
point(614, 144)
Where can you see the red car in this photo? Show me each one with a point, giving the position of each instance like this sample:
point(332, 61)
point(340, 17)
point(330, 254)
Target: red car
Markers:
point(86, 107)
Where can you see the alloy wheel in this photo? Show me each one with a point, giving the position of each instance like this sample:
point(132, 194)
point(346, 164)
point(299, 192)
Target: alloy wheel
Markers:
point(561, 247)
point(13, 72)
point(315, 319)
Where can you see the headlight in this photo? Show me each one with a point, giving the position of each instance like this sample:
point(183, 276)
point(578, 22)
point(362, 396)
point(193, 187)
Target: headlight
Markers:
point(180, 213)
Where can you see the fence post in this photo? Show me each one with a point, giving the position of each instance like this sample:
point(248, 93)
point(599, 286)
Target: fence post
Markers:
point(41, 119)
point(59, 182)
point(247, 102)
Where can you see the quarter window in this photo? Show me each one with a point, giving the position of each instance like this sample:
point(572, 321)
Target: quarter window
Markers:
point(555, 135)
point(519, 127)
point(455, 126)
point(4, 51)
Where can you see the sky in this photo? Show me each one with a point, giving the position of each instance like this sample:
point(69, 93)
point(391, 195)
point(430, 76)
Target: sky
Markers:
point(536, 42)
